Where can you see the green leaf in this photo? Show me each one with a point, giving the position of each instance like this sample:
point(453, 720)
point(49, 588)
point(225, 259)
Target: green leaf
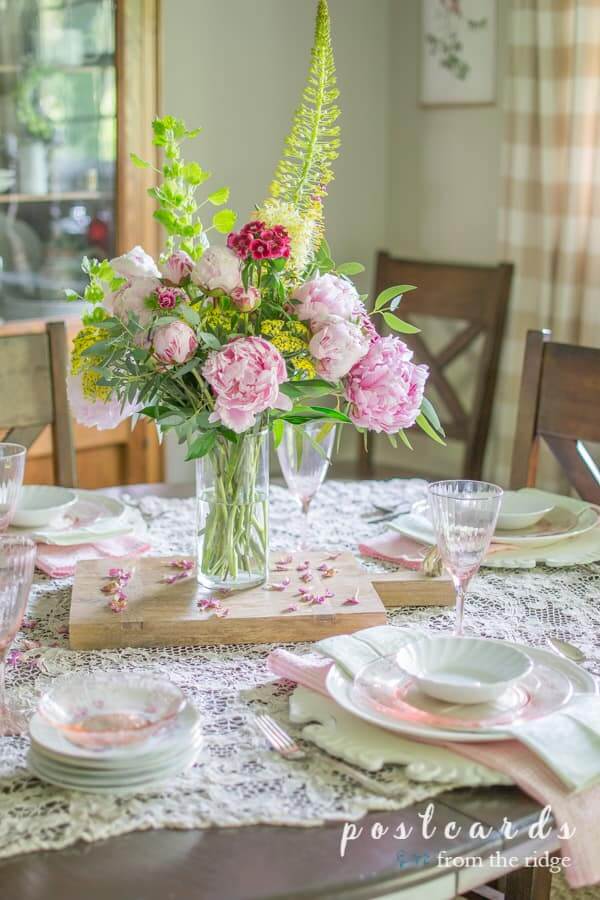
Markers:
point(138, 161)
point(319, 412)
point(391, 292)
point(202, 445)
point(224, 220)
point(429, 431)
point(277, 428)
point(194, 174)
point(210, 340)
point(312, 387)
point(350, 268)
point(397, 324)
point(189, 314)
point(72, 295)
point(218, 197)
point(405, 440)
point(431, 415)
point(97, 349)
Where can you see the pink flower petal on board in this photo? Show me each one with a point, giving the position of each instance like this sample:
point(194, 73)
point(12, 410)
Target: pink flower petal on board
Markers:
point(290, 609)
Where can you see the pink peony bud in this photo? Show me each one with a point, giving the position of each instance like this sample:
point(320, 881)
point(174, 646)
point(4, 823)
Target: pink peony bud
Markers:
point(246, 300)
point(174, 344)
point(177, 267)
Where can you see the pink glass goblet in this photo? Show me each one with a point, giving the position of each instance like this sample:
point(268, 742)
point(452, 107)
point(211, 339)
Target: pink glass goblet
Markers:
point(17, 560)
point(12, 467)
point(464, 515)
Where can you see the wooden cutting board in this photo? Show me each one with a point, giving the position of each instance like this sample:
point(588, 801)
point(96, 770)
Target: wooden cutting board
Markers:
point(160, 614)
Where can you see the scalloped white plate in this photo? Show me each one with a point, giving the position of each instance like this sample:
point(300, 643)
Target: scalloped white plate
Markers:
point(364, 745)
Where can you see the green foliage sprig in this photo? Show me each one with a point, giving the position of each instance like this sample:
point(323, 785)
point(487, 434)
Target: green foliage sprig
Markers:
point(176, 196)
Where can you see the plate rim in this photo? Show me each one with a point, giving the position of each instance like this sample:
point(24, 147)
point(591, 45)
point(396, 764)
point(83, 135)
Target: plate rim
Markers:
point(429, 733)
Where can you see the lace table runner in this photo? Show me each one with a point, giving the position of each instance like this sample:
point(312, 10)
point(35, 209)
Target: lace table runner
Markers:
point(237, 780)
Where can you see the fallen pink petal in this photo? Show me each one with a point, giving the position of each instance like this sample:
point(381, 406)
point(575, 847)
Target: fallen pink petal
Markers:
point(209, 603)
point(285, 560)
point(279, 585)
point(303, 566)
point(328, 573)
point(110, 587)
point(290, 609)
point(222, 612)
point(306, 577)
point(352, 601)
point(120, 574)
point(186, 564)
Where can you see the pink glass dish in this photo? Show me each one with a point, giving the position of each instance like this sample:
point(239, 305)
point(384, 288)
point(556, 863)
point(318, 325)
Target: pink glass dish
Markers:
point(384, 687)
point(104, 711)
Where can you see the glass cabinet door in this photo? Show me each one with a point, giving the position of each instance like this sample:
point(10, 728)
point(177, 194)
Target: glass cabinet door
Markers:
point(58, 142)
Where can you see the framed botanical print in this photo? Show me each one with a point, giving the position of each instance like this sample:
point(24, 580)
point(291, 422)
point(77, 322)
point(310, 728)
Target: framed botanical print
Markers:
point(458, 52)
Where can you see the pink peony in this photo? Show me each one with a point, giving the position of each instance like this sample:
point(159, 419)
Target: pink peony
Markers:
point(135, 264)
point(246, 300)
point(95, 413)
point(169, 297)
point(131, 299)
point(174, 344)
point(324, 296)
point(218, 269)
point(336, 347)
point(385, 389)
point(245, 376)
point(177, 267)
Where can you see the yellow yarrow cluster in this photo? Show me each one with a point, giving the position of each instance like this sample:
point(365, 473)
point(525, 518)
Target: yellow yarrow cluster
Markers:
point(302, 230)
point(82, 365)
point(291, 339)
point(215, 318)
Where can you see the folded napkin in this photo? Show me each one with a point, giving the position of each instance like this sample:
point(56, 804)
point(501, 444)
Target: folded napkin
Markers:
point(405, 550)
point(60, 562)
point(532, 762)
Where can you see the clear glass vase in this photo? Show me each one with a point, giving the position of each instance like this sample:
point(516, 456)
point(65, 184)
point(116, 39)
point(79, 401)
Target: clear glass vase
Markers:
point(232, 499)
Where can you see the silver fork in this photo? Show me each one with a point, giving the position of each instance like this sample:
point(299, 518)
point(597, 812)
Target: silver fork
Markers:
point(286, 746)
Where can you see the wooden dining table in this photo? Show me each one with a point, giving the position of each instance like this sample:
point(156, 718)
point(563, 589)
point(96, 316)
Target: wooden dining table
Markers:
point(264, 862)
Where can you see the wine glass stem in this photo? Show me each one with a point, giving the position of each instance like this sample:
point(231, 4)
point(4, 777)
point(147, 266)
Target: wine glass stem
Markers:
point(304, 531)
point(460, 609)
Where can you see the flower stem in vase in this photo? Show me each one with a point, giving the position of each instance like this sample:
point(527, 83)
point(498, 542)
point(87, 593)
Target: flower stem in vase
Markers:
point(232, 506)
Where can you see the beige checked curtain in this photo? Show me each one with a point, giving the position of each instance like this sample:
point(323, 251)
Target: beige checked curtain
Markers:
point(550, 217)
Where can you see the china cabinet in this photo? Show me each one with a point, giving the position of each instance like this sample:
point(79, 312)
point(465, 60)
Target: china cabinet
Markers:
point(78, 90)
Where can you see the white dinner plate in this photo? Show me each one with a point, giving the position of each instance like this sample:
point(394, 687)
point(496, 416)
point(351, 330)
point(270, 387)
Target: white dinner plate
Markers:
point(339, 687)
point(41, 504)
point(92, 517)
point(568, 519)
point(116, 786)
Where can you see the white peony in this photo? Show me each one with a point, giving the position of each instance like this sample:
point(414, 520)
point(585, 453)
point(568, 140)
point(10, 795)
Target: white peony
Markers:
point(135, 264)
point(218, 270)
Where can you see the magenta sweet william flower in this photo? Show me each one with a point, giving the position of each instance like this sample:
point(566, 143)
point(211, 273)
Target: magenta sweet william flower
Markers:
point(169, 297)
point(174, 344)
point(246, 299)
point(324, 296)
point(245, 376)
point(385, 389)
point(336, 347)
point(259, 242)
point(177, 267)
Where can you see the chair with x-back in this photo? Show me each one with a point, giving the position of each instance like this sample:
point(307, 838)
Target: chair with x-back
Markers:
point(558, 404)
point(469, 304)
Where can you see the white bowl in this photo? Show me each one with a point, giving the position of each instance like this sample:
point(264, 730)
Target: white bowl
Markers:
point(463, 670)
point(40, 504)
point(520, 509)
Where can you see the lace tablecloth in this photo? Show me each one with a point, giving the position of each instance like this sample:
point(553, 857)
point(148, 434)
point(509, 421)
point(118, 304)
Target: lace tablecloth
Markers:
point(236, 780)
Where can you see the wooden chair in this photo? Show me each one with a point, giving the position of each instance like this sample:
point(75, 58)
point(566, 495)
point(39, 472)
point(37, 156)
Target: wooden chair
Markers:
point(560, 387)
point(475, 295)
point(33, 394)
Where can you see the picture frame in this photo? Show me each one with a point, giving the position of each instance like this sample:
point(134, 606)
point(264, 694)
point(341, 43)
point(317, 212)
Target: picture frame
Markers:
point(458, 52)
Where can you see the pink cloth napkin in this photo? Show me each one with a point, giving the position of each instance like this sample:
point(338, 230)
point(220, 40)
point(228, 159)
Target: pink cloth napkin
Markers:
point(406, 551)
point(396, 548)
point(580, 811)
point(60, 562)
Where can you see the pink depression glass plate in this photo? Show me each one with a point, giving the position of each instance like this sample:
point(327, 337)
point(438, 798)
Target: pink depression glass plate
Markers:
point(105, 711)
point(384, 688)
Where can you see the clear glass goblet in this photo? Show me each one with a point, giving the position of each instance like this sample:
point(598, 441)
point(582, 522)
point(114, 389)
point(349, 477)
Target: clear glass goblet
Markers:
point(304, 455)
point(464, 515)
point(17, 560)
point(12, 467)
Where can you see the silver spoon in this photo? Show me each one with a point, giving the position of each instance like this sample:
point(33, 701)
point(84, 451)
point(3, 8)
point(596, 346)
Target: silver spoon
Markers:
point(566, 650)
